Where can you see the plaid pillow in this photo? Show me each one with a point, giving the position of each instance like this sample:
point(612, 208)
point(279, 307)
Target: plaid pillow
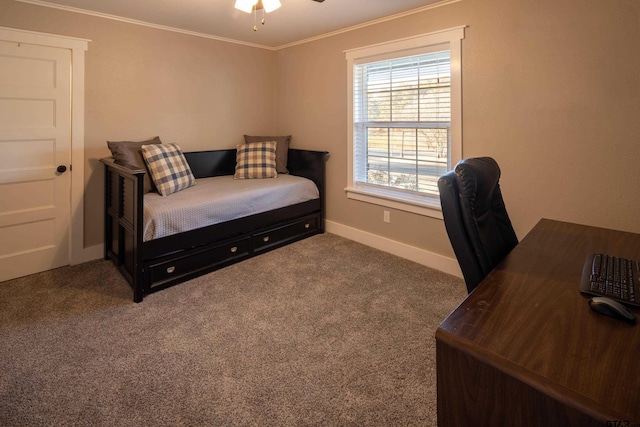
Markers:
point(168, 168)
point(282, 149)
point(256, 160)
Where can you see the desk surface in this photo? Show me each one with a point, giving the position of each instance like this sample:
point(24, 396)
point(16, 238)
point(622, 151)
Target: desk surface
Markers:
point(528, 320)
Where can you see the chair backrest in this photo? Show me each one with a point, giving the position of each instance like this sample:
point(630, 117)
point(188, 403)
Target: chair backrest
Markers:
point(476, 218)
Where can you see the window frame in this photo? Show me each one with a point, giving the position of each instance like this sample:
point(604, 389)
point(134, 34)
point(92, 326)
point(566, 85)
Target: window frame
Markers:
point(449, 39)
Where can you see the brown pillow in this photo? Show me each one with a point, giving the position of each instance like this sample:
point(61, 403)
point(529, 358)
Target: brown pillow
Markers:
point(282, 149)
point(128, 153)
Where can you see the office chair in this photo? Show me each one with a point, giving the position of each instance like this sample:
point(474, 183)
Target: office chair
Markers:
point(476, 218)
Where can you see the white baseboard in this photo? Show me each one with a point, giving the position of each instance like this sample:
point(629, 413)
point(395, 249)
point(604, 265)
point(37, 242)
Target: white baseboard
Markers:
point(88, 254)
point(420, 256)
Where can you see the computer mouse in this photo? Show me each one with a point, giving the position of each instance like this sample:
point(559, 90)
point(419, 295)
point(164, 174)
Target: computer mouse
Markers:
point(611, 308)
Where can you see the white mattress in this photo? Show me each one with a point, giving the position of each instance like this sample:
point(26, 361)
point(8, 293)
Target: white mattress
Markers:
point(219, 199)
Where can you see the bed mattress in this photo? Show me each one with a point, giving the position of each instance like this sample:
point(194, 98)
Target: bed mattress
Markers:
point(219, 199)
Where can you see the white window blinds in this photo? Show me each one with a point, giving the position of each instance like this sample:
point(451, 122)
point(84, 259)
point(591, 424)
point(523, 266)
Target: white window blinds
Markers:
point(402, 122)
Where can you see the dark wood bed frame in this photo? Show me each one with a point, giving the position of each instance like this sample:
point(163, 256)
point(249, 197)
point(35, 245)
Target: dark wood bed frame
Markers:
point(159, 263)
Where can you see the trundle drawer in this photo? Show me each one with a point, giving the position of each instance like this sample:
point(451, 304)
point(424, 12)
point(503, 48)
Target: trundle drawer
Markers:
point(193, 261)
point(277, 236)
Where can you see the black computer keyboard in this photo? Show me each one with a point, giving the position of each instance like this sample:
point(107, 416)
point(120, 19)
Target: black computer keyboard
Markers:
point(613, 277)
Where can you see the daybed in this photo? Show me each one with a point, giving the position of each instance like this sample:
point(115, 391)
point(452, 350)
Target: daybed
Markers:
point(150, 265)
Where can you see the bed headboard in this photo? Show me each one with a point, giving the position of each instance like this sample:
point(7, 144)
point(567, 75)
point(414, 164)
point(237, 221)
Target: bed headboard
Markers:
point(306, 163)
point(211, 163)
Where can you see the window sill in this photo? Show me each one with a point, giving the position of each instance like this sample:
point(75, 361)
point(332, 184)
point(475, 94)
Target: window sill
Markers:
point(391, 199)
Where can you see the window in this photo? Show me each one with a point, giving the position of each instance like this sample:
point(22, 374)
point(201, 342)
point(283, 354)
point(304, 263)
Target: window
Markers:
point(404, 108)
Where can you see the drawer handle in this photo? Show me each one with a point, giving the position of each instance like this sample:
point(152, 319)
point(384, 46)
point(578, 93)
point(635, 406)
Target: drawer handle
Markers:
point(234, 249)
point(171, 269)
point(265, 239)
point(307, 225)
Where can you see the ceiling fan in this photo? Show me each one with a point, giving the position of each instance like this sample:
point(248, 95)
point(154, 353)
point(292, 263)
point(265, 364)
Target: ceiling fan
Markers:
point(255, 5)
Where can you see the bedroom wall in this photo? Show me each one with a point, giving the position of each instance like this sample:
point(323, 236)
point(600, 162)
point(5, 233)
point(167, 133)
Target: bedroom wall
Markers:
point(551, 90)
point(141, 82)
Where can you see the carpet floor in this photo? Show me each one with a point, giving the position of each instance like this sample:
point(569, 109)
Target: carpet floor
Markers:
point(324, 331)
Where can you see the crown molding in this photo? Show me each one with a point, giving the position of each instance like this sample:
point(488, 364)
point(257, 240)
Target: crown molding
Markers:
point(141, 23)
point(370, 23)
point(228, 40)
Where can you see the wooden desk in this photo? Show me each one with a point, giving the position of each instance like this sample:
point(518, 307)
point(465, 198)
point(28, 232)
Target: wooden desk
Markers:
point(524, 348)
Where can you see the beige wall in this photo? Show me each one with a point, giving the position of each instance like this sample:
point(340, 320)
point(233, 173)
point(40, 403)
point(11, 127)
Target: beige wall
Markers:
point(142, 82)
point(551, 90)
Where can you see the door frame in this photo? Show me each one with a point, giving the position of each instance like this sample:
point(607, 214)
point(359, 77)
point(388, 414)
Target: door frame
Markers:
point(77, 46)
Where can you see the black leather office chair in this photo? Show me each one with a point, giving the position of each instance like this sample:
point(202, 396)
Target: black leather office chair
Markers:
point(476, 218)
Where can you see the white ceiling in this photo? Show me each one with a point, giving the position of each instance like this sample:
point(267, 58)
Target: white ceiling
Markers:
point(295, 21)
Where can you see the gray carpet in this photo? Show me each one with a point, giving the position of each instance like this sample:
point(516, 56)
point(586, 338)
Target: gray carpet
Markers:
point(321, 332)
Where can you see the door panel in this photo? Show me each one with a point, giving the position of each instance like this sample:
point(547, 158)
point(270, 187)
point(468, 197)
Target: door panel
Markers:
point(35, 135)
point(21, 114)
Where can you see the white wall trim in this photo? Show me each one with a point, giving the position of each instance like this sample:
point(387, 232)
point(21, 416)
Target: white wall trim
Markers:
point(141, 23)
point(357, 188)
point(43, 39)
point(389, 199)
point(77, 47)
point(77, 156)
point(420, 256)
point(370, 23)
point(223, 39)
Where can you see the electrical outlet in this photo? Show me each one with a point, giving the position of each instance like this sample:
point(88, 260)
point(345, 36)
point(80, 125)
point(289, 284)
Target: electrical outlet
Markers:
point(386, 216)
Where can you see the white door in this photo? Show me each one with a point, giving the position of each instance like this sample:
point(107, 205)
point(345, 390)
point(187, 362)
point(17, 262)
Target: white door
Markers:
point(35, 135)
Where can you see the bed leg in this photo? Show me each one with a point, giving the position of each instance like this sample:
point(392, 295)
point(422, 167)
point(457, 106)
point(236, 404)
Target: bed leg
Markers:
point(137, 295)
